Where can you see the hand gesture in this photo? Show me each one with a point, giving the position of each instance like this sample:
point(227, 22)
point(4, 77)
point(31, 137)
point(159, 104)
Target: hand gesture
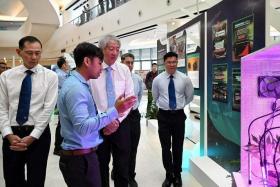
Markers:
point(111, 127)
point(123, 104)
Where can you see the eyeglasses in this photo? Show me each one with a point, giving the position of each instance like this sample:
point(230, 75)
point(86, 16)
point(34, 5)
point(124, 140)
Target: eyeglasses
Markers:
point(171, 62)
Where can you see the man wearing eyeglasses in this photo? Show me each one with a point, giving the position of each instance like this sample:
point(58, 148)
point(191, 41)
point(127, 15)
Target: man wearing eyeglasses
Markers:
point(28, 94)
point(172, 91)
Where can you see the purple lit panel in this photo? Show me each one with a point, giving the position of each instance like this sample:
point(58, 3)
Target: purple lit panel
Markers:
point(265, 62)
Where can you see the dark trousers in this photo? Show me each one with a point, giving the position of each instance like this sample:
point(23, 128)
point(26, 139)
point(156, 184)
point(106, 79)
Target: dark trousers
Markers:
point(135, 131)
point(119, 144)
point(58, 138)
point(171, 134)
point(80, 171)
point(149, 104)
point(35, 159)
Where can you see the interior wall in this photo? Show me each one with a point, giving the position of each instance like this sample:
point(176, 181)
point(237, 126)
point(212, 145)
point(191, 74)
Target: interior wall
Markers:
point(223, 116)
point(128, 17)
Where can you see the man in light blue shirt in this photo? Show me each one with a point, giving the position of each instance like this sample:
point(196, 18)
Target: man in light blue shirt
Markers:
point(134, 118)
point(172, 91)
point(80, 122)
point(62, 73)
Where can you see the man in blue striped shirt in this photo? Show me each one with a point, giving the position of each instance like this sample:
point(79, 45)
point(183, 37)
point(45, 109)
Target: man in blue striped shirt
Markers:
point(80, 122)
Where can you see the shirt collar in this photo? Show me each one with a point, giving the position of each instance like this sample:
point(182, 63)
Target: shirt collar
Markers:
point(35, 69)
point(113, 66)
point(167, 75)
point(79, 77)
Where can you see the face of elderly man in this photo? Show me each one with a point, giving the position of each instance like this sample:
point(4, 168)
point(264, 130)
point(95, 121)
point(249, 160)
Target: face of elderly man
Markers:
point(111, 52)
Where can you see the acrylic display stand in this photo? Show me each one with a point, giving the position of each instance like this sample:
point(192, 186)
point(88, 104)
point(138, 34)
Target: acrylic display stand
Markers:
point(257, 98)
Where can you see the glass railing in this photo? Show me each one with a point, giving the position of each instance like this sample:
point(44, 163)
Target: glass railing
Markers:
point(98, 10)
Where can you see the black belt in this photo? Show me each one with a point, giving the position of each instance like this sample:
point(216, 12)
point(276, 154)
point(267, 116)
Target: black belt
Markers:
point(23, 128)
point(77, 152)
point(171, 111)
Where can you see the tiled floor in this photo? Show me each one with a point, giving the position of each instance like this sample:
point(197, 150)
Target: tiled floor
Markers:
point(149, 168)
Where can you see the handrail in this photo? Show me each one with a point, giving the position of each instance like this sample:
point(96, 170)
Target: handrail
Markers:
point(101, 8)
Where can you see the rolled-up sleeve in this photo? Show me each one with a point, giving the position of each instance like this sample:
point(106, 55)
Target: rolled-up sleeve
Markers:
point(76, 101)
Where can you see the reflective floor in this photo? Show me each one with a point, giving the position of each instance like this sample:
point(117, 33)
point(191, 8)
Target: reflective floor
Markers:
point(149, 168)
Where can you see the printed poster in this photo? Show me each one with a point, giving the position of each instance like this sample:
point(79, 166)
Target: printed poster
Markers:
point(161, 51)
point(192, 68)
point(236, 89)
point(219, 83)
point(219, 37)
point(177, 44)
point(243, 37)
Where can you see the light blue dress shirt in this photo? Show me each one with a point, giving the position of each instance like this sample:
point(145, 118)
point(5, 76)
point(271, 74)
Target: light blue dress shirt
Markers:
point(138, 89)
point(62, 75)
point(80, 123)
point(183, 90)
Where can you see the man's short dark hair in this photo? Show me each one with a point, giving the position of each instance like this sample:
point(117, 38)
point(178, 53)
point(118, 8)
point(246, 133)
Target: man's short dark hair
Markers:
point(86, 49)
point(60, 61)
point(170, 54)
point(154, 64)
point(30, 39)
point(127, 55)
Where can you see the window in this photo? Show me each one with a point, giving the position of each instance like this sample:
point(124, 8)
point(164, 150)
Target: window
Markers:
point(144, 58)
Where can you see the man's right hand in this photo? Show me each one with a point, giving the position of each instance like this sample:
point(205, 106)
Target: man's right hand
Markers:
point(123, 104)
point(16, 143)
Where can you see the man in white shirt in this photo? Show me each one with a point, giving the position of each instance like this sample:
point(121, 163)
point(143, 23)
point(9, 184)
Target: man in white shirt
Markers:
point(114, 81)
point(172, 91)
point(28, 94)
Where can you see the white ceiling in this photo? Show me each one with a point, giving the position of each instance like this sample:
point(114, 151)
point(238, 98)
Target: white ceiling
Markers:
point(275, 4)
point(11, 7)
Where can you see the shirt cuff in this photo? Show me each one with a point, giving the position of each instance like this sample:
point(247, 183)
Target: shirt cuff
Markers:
point(6, 131)
point(36, 133)
point(112, 113)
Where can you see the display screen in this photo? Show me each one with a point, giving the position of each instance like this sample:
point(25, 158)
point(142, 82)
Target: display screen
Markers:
point(269, 86)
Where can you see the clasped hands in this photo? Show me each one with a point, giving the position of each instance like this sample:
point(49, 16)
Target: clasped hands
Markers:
point(19, 144)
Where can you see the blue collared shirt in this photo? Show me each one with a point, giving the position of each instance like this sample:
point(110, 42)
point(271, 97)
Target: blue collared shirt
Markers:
point(80, 123)
point(183, 90)
point(138, 89)
point(62, 75)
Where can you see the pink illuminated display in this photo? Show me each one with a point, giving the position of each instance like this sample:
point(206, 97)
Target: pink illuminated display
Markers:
point(260, 86)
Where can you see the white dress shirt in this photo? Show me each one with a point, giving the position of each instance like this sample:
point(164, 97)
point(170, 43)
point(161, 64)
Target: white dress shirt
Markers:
point(43, 98)
point(123, 85)
point(183, 90)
